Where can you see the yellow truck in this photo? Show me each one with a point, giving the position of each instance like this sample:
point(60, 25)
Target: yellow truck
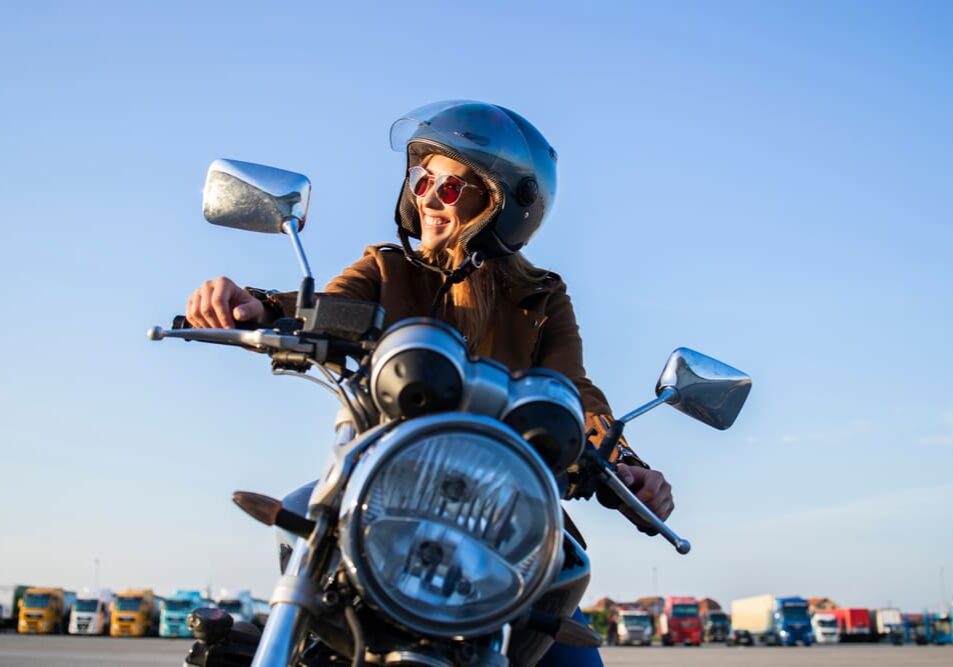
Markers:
point(135, 613)
point(44, 611)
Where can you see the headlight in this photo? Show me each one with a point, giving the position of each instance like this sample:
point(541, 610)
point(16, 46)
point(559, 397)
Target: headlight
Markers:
point(451, 525)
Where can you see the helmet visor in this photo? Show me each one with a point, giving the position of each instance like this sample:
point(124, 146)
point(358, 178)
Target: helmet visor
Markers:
point(483, 134)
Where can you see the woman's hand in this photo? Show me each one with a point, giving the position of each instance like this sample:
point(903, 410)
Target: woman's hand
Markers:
point(218, 303)
point(650, 487)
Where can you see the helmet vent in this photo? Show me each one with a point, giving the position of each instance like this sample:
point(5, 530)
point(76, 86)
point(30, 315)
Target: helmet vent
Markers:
point(527, 191)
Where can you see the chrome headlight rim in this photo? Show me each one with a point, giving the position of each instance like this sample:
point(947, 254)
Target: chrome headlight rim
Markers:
point(351, 523)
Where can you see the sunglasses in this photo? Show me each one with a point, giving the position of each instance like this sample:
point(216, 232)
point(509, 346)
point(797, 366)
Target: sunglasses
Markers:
point(447, 186)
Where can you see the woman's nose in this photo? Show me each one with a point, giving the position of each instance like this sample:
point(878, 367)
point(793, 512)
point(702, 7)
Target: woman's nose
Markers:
point(430, 199)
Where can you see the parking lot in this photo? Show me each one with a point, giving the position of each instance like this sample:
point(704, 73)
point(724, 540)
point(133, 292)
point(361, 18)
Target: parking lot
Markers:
point(60, 651)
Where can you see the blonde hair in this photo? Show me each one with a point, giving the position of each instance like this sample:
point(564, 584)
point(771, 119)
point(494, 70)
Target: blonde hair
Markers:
point(473, 301)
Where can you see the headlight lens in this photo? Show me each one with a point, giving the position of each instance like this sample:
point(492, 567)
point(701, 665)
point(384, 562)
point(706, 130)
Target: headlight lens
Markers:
point(452, 525)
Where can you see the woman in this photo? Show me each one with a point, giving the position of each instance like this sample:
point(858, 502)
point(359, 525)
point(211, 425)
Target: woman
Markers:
point(480, 181)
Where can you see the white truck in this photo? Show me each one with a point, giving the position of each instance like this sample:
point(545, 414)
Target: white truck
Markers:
point(888, 624)
point(635, 627)
point(824, 625)
point(241, 606)
point(91, 613)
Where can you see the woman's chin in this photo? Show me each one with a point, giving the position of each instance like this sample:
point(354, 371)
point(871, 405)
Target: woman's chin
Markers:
point(435, 240)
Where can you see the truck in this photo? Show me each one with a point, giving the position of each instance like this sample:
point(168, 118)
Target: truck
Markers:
point(715, 621)
point(938, 628)
point(635, 627)
point(241, 606)
point(44, 611)
point(773, 620)
point(10, 596)
point(715, 625)
point(887, 624)
point(824, 626)
point(853, 624)
point(679, 622)
point(135, 614)
point(914, 628)
point(91, 613)
point(174, 612)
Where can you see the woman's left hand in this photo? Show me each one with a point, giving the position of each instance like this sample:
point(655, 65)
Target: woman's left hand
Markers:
point(651, 488)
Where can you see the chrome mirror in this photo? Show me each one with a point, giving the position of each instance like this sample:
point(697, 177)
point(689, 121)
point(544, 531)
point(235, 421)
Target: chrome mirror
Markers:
point(254, 197)
point(704, 388)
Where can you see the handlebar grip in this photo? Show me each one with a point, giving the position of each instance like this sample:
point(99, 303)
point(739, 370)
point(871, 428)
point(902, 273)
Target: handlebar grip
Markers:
point(180, 322)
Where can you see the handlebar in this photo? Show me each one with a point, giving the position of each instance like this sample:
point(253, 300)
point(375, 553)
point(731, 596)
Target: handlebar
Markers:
point(260, 340)
point(180, 322)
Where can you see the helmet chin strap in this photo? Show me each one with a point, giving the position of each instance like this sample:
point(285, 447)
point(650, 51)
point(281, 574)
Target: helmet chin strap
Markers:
point(473, 262)
point(450, 278)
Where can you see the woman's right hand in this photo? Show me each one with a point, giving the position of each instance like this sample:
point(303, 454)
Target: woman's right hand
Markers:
point(218, 303)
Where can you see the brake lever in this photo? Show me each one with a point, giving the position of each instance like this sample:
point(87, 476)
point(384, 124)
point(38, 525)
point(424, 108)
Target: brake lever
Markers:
point(605, 474)
point(610, 479)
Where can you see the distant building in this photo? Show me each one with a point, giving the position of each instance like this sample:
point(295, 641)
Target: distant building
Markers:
point(602, 604)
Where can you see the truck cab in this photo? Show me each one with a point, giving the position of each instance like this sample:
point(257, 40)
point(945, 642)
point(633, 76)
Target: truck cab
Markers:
point(915, 630)
point(10, 597)
point(91, 613)
point(635, 627)
point(715, 626)
point(135, 613)
point(824, 625)
point(44, 611)
point(174, 612)
point(939, 630)
point(680, 622)
point(791, 622)
point(241, 606)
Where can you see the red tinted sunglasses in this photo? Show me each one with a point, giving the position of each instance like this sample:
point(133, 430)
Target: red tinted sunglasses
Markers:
point(447, 186)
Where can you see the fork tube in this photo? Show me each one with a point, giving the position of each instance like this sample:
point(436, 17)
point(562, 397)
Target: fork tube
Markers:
point(293, 601)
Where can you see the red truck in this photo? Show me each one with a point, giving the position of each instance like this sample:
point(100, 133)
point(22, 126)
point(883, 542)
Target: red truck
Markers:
point(680, 622)
point(853, 625)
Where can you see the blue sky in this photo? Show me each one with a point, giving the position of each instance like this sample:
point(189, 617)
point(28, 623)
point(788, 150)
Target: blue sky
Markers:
point(768, 183)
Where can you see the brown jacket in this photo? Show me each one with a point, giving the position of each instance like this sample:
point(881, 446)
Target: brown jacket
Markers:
point(533, 327)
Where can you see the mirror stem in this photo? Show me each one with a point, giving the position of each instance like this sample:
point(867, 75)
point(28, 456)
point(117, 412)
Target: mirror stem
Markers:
point(667, 395)
point(290, 227)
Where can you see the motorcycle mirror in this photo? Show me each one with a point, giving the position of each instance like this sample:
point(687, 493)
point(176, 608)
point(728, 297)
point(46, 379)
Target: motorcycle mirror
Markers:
point(704, 388)
point(254, 197)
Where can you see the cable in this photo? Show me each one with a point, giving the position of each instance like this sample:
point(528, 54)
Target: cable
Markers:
point(354, 624)
point(341, 394)
point(305, 376)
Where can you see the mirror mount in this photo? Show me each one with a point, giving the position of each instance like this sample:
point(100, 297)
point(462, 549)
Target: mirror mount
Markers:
point(305, 305)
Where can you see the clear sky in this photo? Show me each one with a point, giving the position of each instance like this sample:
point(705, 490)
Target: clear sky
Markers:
point(769, 183)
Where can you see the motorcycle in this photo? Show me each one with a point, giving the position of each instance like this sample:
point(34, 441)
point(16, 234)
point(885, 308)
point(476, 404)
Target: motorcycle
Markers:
point(435, 536)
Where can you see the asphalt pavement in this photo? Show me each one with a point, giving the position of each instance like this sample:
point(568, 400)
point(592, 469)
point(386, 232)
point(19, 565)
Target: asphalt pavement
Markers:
point(66, 651)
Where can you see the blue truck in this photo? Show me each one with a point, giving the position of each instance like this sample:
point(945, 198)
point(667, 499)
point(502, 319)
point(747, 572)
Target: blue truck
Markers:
point(938, 627)
point(773, 620)
point(174, 612)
